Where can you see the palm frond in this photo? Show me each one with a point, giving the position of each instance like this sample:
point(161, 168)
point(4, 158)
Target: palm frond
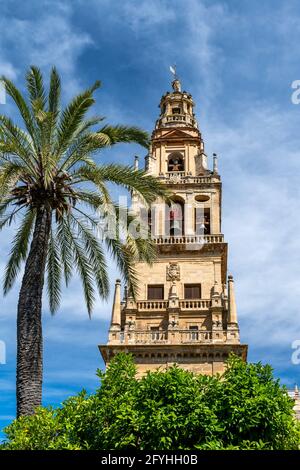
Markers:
point(10, 173)
point(54, 92)
point(83, 266)
point(135, 247)
point(147, 186)
point(53, 109)
point(19, 250)
point(36, 90)
point(87, 124)
point(66, 252)
point(8, 219)
point(72, 117)
point(79, 150)
point(53, 274)
point(95, 254)
point(17, 143)
point(5, 203)
point(118, 134)
point(24, 110)
point(98, 200)
point(123, 255)
point(91, 142)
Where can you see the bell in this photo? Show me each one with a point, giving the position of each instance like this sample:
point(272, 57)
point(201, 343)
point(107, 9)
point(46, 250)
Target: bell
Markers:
point(175, 224)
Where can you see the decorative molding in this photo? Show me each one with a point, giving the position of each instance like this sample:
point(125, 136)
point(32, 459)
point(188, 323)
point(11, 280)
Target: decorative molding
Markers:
point(173, 272)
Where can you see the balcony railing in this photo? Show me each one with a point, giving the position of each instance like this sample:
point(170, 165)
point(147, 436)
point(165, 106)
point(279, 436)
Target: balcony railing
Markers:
point(152, 304)
point(176, 174)
point(182, 176)
point(174, 336)
point(146, 337)
point(185, 240)
point(179, 118)
point(194, 304)
point(184, 304)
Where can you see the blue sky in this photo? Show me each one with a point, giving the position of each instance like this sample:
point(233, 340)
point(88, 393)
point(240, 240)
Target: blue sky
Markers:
point(238, 59)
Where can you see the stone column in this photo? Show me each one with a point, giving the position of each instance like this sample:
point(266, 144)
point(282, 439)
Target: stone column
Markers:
point(232, 326)
point(115, 325)
point(232, 317)
point(215, 164)
point(136, 162)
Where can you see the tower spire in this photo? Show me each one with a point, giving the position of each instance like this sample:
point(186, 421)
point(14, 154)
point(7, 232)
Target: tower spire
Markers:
point(181, 311)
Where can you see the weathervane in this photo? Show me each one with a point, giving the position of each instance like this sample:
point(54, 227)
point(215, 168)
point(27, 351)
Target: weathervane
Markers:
point(173, 71)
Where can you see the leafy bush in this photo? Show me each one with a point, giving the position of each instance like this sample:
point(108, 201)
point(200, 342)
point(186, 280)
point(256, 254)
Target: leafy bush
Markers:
point(167, 410)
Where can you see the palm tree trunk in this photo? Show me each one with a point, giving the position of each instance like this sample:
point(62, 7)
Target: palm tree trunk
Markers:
point(29, 320)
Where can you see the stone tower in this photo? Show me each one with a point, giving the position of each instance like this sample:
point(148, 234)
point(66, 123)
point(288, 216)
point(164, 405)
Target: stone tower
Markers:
point(185, 310)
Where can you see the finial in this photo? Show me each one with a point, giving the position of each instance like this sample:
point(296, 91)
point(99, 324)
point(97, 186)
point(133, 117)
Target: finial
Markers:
point(116, 309)
point(125, 292)
point(176, 85)
point(215, 165)
point(232, 313)
point(136, 162)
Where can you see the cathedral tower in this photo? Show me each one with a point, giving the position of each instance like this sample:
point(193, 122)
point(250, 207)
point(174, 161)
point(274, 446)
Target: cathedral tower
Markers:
point(185, 310)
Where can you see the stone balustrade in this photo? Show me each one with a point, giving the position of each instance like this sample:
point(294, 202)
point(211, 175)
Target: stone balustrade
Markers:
point(185, 304)
point(194, 304)
point(152, 305)
point(179, 118)
point(186, 240)
point(176, 174)
point(172, 336)
point(172, 177)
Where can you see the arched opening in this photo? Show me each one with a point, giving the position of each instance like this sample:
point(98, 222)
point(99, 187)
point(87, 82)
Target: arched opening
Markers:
point(175, 162)
point(174, 218)
point(202, 221)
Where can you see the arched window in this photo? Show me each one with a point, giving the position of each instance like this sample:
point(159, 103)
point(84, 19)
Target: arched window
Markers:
point(202, 221)
point(174, 218)
point(176, 162)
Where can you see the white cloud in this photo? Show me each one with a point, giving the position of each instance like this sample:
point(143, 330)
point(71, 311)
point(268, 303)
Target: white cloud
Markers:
point(258, 144)
point(142, 14)
point(259, 161)
point(7, 69)
point(48, 38)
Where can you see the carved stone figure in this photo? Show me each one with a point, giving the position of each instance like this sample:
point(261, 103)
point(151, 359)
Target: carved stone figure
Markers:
point(173, 272)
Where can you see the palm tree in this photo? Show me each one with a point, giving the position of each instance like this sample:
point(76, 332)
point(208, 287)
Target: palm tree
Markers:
point(51, 184)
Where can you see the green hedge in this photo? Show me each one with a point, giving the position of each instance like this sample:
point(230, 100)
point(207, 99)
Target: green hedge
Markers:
point(246, 408)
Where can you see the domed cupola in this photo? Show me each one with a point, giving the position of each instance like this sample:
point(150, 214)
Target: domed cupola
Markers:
point(176, 108)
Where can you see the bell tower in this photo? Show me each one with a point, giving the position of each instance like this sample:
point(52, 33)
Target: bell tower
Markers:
point(185, 311)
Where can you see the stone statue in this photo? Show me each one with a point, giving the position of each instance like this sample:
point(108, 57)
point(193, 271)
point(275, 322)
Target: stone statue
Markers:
point(176, 85)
